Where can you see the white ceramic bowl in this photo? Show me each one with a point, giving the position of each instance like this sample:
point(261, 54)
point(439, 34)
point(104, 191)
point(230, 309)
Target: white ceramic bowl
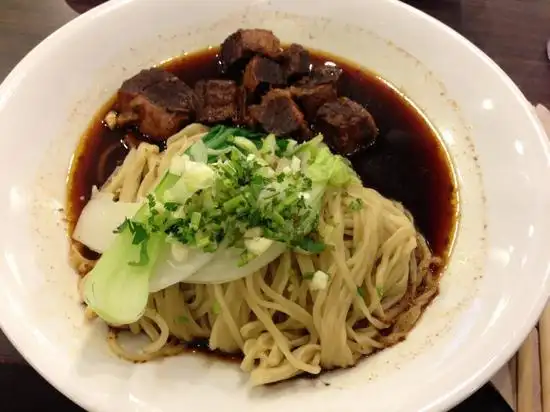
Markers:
point(491, 294)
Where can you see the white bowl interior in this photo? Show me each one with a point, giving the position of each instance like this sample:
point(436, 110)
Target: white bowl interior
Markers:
point(490, 295)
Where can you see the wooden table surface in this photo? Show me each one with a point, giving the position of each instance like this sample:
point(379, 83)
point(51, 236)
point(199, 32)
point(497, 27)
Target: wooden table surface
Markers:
point(512, 32)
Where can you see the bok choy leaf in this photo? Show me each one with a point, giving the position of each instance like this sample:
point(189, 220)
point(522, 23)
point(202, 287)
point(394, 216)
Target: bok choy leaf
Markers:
point(117, 288)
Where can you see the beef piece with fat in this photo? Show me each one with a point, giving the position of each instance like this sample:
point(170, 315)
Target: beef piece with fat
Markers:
point(219, 101)
point(279, 114)
point(295, 62)
point(312, 91)
point(156, 101)
point(346, 125)
point(245, 43)
point(261, 75)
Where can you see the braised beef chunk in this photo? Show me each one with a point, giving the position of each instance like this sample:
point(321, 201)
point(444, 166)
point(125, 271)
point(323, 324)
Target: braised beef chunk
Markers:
point(261, 74)
point(243, 44)
point(346, 125)
point(158, 102)
point(279, 114)
point(296, 62)
point(136, 85)
point(312, 91)
point(311, 96)
point(218, 101)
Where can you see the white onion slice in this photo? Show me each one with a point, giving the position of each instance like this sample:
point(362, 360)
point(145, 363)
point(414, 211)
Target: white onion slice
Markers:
point(168, 271)
point(203, 268)
point(99, 218)
point(225, 265)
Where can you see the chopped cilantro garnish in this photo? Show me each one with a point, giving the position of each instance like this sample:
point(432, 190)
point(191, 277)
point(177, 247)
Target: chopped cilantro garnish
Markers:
point(139, 232)
point(171, 206)
point(151, 201)
point(309, 245)
point(244, 196)
point(282, 145)
point(140, 236)
point(361, 292)
point(122, 226)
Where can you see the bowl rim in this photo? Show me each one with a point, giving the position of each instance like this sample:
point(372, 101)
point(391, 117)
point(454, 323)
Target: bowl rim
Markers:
point(446, 400)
